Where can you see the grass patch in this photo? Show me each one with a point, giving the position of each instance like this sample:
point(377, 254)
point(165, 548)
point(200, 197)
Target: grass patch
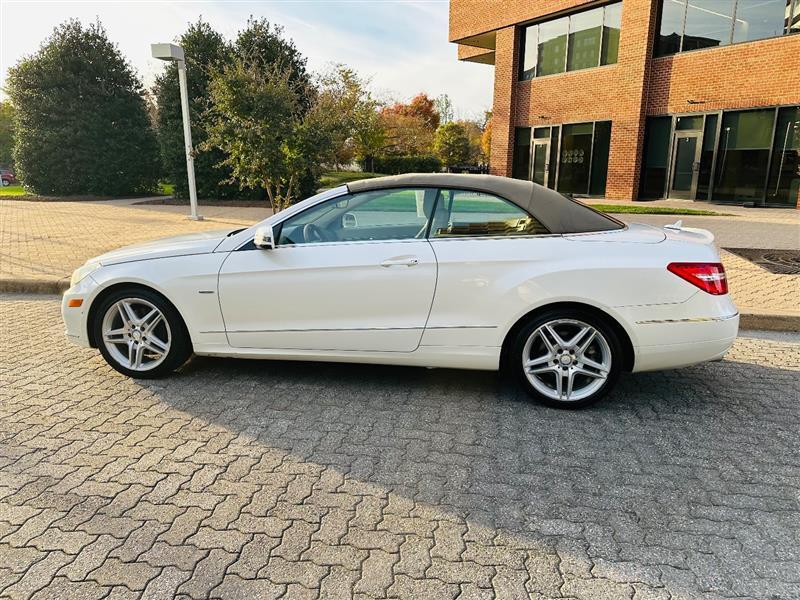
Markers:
point(10, 191)
point(332, 179)
point(637, 209)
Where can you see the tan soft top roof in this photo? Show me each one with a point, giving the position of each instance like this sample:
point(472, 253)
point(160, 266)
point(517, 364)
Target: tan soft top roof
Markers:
point(555, 211)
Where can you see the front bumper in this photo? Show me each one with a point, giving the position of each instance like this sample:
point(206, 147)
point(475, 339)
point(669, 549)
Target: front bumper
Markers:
point(75, 318)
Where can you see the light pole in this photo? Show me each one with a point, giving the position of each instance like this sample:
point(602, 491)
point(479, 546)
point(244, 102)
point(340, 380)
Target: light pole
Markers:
point(173, 53)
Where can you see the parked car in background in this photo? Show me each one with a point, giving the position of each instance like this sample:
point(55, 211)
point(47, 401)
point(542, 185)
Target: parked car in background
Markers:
point(435, 270)
point(7, 176)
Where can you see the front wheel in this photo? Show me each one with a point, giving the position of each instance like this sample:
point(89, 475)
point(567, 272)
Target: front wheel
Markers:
point(567, 358)
point(140, 334)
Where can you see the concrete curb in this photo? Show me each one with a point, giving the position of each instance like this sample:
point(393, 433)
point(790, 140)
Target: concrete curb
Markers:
point(34, 286)
point(769, 321)
point(748, 319)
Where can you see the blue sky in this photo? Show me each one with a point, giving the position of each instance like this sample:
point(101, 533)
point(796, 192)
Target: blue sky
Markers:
point(400, 44)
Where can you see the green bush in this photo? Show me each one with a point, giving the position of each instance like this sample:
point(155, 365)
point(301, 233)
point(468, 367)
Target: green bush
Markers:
point(82, 125)
point(395, 165)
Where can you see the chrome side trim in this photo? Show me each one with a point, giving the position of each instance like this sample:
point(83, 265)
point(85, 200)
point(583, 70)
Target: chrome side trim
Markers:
point(690, 320)
point(351, 329)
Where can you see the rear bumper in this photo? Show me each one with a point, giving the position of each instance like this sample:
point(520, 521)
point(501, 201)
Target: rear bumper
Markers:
point(669, 336)
point(719, 335)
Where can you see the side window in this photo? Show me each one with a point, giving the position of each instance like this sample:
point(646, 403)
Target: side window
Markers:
point(392, 214)
point(462, 213)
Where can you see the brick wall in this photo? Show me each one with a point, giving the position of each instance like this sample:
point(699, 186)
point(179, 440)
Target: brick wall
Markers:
point(612, 92)
point(762, 73)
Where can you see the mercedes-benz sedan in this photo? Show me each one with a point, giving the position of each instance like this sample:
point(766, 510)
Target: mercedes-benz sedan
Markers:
point(457, 271)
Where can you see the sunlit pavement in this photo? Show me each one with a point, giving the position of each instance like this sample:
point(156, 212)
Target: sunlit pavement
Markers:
point(244, 479)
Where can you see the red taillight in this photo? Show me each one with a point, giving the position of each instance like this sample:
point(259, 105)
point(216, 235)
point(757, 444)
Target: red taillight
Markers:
point(709, 277)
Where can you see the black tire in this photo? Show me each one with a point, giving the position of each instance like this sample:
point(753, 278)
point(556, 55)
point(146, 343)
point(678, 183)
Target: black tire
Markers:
point(516, 356)
point(180, 348)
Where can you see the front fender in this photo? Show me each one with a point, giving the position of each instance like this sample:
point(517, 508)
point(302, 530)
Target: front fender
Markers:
point(188, 282)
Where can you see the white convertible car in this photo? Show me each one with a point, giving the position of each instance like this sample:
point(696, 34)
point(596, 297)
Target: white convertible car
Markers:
point(459, 271)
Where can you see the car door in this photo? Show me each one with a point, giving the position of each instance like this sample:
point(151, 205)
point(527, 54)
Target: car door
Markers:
point(353, 273)
point(489, 252)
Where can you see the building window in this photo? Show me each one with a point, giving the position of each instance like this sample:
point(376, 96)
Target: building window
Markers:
point(655, 161)
point(743, 156)
point(521, 165)
point(571, 158)
point(784, 176)
point(694, 24)
point(744, 147)
point(580, 41)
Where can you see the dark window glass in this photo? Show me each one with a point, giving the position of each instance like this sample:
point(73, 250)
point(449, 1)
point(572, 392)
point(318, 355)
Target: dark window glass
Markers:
point(466, 213)
point(692, 122)
point(744, 147)
point(707, 156)
point(576, 148)
point(585, 33)
point(528, 45)
point(669, 37)
point(656, 157)
point(541, 132)
point(708, 24)
point(552, 47)
point(612, 23)
point(521, 167)
point(784, 178)
point(600, 150)
point(758, 19)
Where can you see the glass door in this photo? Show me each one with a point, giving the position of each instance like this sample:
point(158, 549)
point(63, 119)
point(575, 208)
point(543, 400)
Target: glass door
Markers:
point(686, 153)
point(541, 161)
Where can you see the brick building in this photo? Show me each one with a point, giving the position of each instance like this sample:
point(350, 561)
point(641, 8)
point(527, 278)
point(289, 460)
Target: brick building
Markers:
point(643, 99)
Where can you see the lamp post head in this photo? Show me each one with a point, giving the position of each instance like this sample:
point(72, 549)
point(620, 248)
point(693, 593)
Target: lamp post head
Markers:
point(168, 52)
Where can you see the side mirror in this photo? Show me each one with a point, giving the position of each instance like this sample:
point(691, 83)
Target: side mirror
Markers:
point(264, 238)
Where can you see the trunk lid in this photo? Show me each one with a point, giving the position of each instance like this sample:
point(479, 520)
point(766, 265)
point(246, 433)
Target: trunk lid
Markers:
point(634, 233)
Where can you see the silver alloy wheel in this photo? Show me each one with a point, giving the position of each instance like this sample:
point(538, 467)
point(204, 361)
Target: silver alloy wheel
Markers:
point(566, 360)
point(136, 334)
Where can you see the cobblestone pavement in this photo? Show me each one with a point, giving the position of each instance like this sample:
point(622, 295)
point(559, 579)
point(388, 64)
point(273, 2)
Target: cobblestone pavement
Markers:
point(246, 479)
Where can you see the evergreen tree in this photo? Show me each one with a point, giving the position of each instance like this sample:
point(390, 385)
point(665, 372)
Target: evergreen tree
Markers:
point(81, 122)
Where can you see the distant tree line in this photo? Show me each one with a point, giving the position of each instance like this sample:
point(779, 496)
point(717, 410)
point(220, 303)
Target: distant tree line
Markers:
point(80, 122)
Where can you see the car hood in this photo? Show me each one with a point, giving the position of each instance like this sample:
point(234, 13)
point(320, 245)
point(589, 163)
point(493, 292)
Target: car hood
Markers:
point(180, 245)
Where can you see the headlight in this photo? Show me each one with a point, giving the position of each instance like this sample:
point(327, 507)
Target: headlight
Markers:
point(81, 272)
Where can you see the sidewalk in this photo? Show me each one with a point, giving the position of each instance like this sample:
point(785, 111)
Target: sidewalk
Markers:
point(41, 243)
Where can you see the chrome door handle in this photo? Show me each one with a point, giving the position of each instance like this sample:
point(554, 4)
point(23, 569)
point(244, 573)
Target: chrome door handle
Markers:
point(406, 261)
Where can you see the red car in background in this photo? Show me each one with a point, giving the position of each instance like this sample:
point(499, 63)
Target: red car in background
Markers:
point(8, 177)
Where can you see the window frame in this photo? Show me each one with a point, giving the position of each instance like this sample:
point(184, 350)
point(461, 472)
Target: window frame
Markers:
point(794, 11)
point(277, 227)
point(485, 237)
point(523, 29)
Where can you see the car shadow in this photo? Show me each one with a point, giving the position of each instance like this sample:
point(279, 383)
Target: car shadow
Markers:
point(672, 470)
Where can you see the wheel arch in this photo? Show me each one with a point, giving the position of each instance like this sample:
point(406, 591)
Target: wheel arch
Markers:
point(125, 285)
point(625, 339)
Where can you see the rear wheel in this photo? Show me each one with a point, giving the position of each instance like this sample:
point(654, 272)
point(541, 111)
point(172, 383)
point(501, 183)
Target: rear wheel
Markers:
point(567, 358)
point(140, 334)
